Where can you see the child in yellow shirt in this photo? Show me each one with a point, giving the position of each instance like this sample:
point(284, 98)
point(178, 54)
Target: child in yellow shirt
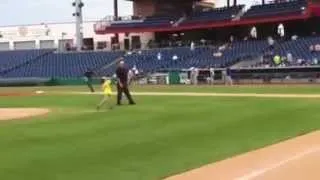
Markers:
point(107, 93)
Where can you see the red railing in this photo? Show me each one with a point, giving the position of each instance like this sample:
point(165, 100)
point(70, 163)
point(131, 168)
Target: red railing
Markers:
point(313, 9)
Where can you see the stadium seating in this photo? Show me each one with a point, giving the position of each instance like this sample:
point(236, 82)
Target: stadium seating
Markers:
point(295, 7)
point(152, 21)
point(201, 57)
point(276, 9)
point(64, 65)
point(73, 64)
point(13, 59)
point(218, 14)
point(300, 48)
point(68, 65)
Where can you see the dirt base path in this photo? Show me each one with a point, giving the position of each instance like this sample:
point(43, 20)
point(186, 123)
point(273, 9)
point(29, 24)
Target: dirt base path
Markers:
point(294, 159)
point(19, 113)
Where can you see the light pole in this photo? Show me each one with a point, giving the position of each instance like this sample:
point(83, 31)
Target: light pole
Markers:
point(115, 9)
point(116, 17)
point(78, 4)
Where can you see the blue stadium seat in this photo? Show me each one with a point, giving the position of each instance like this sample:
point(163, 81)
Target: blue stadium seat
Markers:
point(218, 14)
point(74, 64)
point(65, 65)
point(300, 48)
point(14, 59)
point(152, 21)
point(276, 9)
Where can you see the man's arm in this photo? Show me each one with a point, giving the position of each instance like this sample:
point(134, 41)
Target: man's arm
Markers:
point(118, 77)
point(120, 83)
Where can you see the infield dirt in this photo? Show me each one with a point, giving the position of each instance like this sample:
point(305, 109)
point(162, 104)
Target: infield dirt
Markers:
point(20, 113)
point(295, 159)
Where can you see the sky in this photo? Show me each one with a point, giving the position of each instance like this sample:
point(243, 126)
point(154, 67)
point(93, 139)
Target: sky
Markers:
point(220, 3)
point(49, 11)
point(46, 11)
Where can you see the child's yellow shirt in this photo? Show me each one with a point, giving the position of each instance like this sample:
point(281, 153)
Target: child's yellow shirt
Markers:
point(106, 87)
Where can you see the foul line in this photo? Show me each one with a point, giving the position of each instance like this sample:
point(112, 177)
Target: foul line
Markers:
point(198, 94)
point(262, 171)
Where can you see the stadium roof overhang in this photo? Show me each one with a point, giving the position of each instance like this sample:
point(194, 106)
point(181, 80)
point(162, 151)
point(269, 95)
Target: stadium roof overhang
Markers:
point(313, 11)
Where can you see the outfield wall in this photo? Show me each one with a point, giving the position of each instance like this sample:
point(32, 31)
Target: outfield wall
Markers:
point(284, 75)
point(44, 82)
point(272, 75)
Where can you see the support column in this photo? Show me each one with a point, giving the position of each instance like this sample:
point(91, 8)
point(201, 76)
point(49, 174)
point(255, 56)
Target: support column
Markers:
point(78, 4)
point(116, 17)
point(115, 9)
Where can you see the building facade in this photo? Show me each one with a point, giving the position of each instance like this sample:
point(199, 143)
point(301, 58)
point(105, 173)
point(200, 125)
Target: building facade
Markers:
point(58, 35)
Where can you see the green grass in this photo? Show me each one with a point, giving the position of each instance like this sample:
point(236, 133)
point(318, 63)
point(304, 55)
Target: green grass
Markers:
point(159, 137)
point(289, 89)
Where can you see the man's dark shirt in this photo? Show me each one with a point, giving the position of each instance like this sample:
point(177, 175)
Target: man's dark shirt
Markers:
point(122, 74)
point(89, 74)
point(228, 72)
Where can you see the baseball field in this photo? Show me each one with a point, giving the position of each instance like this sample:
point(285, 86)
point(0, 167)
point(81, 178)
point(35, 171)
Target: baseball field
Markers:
point(239, 132)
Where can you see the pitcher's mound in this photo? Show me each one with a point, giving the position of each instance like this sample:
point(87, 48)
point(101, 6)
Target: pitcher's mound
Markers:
point(19, 113)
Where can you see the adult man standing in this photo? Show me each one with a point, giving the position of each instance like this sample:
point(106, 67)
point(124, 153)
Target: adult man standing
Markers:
point(281, 31)
point(130, 76)
point(122, 82)
point(192, 46)
point(253, 33)
point(194, 76)
point(229, 80)
point(211, 75)
point(88, 79)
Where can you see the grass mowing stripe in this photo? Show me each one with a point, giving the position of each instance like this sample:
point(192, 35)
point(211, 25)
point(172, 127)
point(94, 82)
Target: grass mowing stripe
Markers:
point(159, 137)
